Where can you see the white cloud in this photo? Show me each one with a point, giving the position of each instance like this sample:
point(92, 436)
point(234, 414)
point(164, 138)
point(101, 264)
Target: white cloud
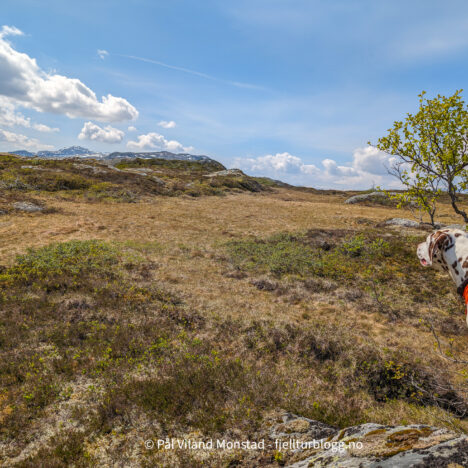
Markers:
point(155, 141)
point(367, 168)
point(108, 134)
point(132, 128)
point(332, 169)
point(22, 141)
point(102, 53)
point(10, 31)
point(280, 163)
point(9, 117)
point(371, 160)
point(165, 124)
point(26, 84)
point(45, 128)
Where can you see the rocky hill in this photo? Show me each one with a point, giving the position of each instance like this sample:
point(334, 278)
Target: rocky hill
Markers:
point(119, 177)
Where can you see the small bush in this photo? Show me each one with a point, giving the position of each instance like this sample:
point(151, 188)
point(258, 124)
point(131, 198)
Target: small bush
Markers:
point(53, 182)
point(354, 246)
point(280, 255)
point(61, 265)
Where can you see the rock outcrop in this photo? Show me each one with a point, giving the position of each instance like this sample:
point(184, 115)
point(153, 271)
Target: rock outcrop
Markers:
point(367, 197)
point(226, 172)
point(401, 222)
point(409, 223)
point(311, 443)
point(27, 207)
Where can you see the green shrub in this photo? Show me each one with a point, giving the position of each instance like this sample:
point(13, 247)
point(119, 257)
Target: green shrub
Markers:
point(53, 182)
point(280, 255)
point(361, 260)
point(354, 246)
point(191, 166)
point(61, 265)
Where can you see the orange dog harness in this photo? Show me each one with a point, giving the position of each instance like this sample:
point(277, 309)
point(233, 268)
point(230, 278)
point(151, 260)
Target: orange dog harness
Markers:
point(465, 296)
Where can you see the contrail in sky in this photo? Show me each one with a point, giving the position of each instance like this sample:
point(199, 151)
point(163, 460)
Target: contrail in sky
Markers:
point(237, 84)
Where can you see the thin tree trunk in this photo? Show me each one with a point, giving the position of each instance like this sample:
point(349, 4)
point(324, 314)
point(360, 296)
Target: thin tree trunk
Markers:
point(453, 199)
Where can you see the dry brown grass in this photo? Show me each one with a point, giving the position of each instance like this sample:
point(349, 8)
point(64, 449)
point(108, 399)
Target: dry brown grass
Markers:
point(190, 231)
point(186, 234)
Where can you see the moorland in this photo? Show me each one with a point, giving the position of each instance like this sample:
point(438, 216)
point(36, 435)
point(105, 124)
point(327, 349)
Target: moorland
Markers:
point(153, 298)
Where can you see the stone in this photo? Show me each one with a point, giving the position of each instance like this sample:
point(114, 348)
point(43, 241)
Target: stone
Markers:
point(94, 169)
point(226, 172)
point(38, 168)
point(366, 197)
point(403, 222)
point(158, 181)
point(138, 170)
point(27, 206)
point(456, 226)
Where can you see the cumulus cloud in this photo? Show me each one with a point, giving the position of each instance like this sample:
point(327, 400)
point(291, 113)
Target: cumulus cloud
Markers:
point(280, 163)
point(370, 159)
point(333, 169)
point(366, 168)
point(9, 117)
point(132, 128)
point(155, 141)
point(108, 134)
point(102, 53)
point(26, 84)
point(22, 141)
point(165, 124)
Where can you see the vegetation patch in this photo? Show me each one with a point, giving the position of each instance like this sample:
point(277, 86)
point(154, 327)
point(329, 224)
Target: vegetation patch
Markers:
point(376, 265)
point(93, 310)
point(128, 181)
point(89, 309)
point(203, 167)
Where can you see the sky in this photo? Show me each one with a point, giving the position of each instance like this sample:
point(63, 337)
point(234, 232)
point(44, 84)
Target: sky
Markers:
point(289, 89)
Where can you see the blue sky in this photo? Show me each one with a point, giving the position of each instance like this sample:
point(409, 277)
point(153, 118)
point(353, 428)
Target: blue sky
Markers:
point(292, 89)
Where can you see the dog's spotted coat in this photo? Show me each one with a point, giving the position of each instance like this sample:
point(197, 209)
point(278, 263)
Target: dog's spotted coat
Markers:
point(447, 250)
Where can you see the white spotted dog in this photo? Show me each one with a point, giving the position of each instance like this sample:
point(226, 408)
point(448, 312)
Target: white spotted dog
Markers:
point(447, 250)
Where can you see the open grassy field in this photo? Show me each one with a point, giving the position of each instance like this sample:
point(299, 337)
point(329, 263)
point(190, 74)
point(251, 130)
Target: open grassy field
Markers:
point(126, 320)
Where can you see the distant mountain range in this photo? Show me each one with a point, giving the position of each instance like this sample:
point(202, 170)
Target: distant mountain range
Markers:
point(61, 153)
point(80, 152)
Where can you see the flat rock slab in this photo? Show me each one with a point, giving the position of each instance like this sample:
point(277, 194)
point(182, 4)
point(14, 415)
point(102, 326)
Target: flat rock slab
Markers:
point(409, 223)
point(94, 169)
point(403, 222)
point(38, 168)
point(456, 226)
point(27, 207)
point(366, 197)
point(227, 172)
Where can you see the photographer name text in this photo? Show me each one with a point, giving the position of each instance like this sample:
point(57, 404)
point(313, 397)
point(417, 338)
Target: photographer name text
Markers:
point(262, 444)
